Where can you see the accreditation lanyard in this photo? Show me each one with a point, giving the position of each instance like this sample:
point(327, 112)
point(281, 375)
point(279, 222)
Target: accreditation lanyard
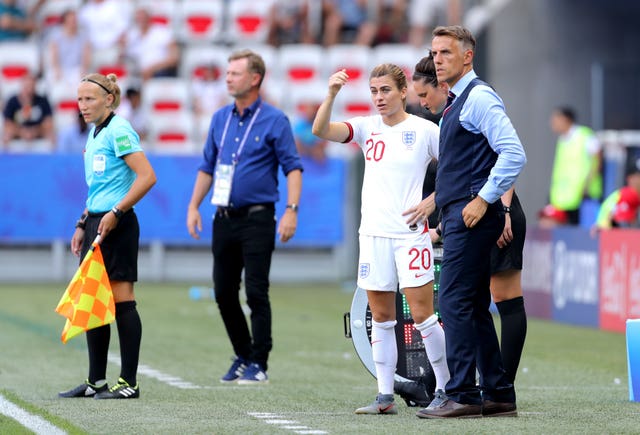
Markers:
point(223, 176)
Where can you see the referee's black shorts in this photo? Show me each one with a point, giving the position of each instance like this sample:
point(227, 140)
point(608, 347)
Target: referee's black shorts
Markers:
point(119, 248)
point(510, 257)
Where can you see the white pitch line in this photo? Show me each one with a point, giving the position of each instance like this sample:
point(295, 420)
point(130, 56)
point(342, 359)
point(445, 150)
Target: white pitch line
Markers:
point(171, 380)
point(33, 422)
point(282, 422)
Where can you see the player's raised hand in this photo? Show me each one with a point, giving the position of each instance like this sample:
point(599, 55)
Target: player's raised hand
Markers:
point(337, 81)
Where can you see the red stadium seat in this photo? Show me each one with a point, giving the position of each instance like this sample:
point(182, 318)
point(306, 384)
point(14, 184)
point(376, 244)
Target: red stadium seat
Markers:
point(248, 21)
point(199, 21)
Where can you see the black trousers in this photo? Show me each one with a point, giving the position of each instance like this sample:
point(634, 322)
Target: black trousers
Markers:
point(245, 242)
point(464, 299)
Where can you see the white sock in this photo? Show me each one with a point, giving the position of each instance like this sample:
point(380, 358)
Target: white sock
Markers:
point(385, 354)
point(434, 344)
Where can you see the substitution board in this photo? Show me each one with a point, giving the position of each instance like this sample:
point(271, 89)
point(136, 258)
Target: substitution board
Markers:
point(412, 359)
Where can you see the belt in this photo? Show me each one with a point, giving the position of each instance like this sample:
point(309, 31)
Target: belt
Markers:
point(234, 212)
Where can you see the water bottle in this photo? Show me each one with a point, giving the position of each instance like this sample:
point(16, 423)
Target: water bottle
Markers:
point(197, 293)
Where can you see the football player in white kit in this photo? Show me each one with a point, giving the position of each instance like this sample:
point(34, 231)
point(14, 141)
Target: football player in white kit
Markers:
point(395, 248)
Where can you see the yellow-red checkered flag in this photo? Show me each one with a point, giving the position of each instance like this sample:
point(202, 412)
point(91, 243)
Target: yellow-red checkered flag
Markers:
point(88, 300)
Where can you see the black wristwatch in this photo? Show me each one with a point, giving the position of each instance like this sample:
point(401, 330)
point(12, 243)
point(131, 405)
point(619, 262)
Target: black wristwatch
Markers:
point(506, 209)
point(293, 207)
point(82, 222)
point(116, 211)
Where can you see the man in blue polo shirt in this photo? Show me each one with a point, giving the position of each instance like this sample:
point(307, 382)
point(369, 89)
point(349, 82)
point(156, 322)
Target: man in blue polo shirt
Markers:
point(480, 159)
point(248, 141)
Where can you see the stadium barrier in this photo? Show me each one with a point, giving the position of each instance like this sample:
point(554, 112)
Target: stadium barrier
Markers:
point(43, 195)
point(572, 277)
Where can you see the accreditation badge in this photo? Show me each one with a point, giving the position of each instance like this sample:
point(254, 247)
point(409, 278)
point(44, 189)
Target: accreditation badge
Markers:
point(222, 184)
point(99, 164)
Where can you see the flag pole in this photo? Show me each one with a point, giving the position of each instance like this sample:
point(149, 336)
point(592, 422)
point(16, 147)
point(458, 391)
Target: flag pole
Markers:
point(96, 241)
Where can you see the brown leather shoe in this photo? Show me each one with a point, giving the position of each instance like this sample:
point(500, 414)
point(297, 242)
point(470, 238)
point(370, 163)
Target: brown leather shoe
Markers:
point(451, 409)
point(498, 409)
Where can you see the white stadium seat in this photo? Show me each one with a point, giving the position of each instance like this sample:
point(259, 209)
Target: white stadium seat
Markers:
point(301, 63)
point(165, 96)
point(355, 59)
point(17, 59)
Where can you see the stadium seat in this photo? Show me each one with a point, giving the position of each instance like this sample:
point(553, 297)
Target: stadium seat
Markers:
point(108, 61)
point(301, 63)
point(404, 55)
point(17, 59)
point(202, 124)
point(64, 104)
point(172, 134)
point(200, 21)
point(268, 53)
point(165, 96)
point(163, 12)
point(296, 95)
point(353, 100)
point(196, 58)
point(248, 21)
point(354, 58)
point(49, 15)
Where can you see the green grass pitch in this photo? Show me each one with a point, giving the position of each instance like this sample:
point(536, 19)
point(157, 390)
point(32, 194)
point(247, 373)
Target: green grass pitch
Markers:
point(572, 380)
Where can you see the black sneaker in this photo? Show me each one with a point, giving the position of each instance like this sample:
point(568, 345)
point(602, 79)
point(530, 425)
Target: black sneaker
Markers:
point(414, 393)
point(85, 389)
point(121, 390)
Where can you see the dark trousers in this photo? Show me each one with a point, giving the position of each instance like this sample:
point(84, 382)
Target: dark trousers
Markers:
point(245, 242)
point(464, 299)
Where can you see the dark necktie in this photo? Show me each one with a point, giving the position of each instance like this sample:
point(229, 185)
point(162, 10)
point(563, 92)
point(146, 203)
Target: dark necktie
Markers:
point(450, 98)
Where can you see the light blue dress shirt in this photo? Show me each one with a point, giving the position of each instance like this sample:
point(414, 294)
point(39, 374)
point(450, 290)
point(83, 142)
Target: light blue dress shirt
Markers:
point(484, 113)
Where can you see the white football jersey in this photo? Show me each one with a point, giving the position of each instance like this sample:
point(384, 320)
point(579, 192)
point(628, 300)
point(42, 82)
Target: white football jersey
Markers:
point(396, 160)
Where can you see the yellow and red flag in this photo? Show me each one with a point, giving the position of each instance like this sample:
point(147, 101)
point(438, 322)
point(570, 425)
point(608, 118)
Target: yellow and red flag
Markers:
point(88, 300)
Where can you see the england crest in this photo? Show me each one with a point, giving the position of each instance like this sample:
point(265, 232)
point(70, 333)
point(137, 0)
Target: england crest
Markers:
point(409, 138)
point(363, 270)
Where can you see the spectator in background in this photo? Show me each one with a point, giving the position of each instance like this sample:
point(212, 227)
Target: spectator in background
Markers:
point(69, 52)
point(551, 217)
point(209, 91)
point(131, 109)
point(73, 137)
point(393, 22)
point(289, 23)
point(151, 48)
point(355, 22)
point(104, 22)
point(620, 208)
point(577, 165)
point(307, 143)
point(15, 23)
point(28, 116)
point(423, 15)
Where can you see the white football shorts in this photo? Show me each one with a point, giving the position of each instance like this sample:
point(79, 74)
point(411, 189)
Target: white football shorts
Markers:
point(384, 262)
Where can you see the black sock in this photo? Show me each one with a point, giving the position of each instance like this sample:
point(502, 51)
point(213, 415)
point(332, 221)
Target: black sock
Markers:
point(98, 346)
point(130, 334)
point(513, 319)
